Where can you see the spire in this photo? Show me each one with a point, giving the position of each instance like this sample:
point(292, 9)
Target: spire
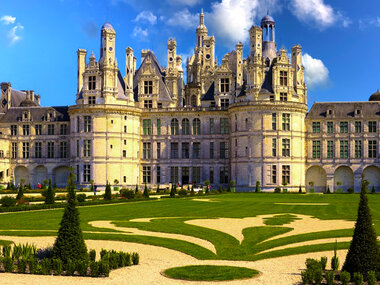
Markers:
point(202, 18)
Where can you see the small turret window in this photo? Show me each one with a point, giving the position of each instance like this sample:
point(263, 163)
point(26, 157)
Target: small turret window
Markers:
point(224, 85)
point(283, 78)
point(91, 82)
point(283, 96)
point(148, 87)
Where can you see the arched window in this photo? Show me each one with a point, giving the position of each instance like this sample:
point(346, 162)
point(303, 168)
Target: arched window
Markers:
point(193, 101)
point(174, 127)
point(185, 127)
point(196, 126)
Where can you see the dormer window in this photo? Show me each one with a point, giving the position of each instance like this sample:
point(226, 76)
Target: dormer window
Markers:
point(225, 85)
point(91, 100)
point(91, 82)
point(283, 78)
point(329, 112)
point(224, 102)
point(148, 104)
point(148, 87)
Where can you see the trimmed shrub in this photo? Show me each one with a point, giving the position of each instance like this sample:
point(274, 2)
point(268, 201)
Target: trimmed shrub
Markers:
point(307, 276)
point(8, 201)
point(21, 265)
point(20, 192)
point(7, 250)
point(350, 190)
point(81, 267)
point(104, 268)
point(317, 275)
point(284, 190)
point(45, 266)
point(258, 188)
point(173, 191)
point(128, 194)
point(182, 192)
point(192, 192)
point(135, 258)
point(70, 243)
point(57, 266)
point(373, 191)
point(300, 190)
point(70, 267)
point(277, 190)
point(335, 259)
point(345, 277)
point(94, 268)
point(312, 263)
point(323, 262)
point(358, 278)
point(364, 253)
point(103, 253)
point(146, 191)
point(32, 263)
point(330, 277)
point(328, 190)
point(92, 255)
point(8, 264)
point(107, 193)
point(81, 198)
point(49, 198)
point(371, 278)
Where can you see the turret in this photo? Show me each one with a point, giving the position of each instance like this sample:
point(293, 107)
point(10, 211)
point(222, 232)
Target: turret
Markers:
point(6, 95)
point(201, 30)
point(256, 39)
point(107, 48)
point(172, 53)
point(239, 65)
point(81, 53)
point(129, 72)
point(269, 44)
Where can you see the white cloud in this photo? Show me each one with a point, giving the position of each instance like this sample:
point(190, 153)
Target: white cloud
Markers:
point(369, 22)
point(146, 16)
point(184, 19)
point(316, 73)
point(13, 34)
point(231, 20)
point(184, 2)
point(317, 12)
point(8, 19)
point(140, 33)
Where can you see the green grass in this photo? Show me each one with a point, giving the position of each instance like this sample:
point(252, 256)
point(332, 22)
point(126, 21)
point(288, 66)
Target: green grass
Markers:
point(238, 205)
point(210, 273)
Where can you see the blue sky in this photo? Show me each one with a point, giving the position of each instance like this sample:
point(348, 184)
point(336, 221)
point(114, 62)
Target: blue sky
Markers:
point(39, 39)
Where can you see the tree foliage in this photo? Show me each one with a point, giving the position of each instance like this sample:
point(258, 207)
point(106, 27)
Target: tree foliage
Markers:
point(49, 199)
point(107, 193)
point(70, 245)
point(146, 191)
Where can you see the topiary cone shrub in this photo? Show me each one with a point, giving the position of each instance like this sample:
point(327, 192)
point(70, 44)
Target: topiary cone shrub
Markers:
point(69, 244)
point(364, 253)
point(49, 199)
point(146, 191)
point(107, 193)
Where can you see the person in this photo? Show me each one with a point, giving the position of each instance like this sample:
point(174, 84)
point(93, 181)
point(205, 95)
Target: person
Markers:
point(95, 189)
point(39, 186)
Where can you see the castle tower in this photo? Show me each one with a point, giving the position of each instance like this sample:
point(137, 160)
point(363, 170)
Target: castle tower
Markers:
point(256, 39)
point(107, 47)
point(201, 30)
point(81, 68)
point(239, 64)
point(172, 53)
point(269, 44)
point(130, 67)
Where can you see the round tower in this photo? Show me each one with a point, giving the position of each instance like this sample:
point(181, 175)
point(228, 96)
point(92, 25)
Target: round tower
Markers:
point(269, 44)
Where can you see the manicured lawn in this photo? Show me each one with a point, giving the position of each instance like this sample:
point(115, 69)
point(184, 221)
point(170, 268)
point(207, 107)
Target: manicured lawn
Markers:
point(238, 205)
point(210, 273)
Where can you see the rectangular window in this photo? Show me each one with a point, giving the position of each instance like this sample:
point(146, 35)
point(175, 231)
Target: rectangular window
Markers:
point(38, 150)
point(274, 147)
point(224, 85)
point(372, 149)
point(63, 129)
point(196, 177)
point(50, 149)
point(211, 174)
point(316, 149)
point(196, 150)
point(25, 150)
point(91, 100)
point(14, 150)
point(174, 174)
point(147, 150)
point(274, 174)
point(87, 124)
point(330, 149)
point(330, 127)
point(185, 150)
point(158, 150)
point(124, 153)
point(173, 150)
point(283, 96)
point(358, 149)
point(148, 104)
point(147, 127)
point(274, 121)
point(13, 130)
point(372, 126)
point(77, 177)
point(125, 129)
point(224, 127)
point(51, 129)
point(343, 149)
point(159, 105)
point(25, 130)
point(158, 126)
point(78, 125)
point(285, 174)
point(286, 147)
point(78, 148)
point(286, 122)
point(38, 129)
point(148, 87)
point(212, 126)
point(158, 175)
point(63, 149)
point(283, 78)
point(358, 127)
point(224, 102)
point(147, 174)
point(343, 127)
point(316, 127)
point(211, 150)
point(196, 126)
point(91, 82)
point(223, 175)
point(224, 150)
point(87, 148)
point(86, 173)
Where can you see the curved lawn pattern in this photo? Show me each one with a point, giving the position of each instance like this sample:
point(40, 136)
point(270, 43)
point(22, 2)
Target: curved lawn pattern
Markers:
point(257, 226)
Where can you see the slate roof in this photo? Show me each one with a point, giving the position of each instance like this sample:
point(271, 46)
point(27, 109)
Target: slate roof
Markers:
point(344, 109)
point(209, 95)
point(38, 114)
point(243, 89)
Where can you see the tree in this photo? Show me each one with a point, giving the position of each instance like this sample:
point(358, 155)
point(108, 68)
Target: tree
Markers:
point(364, 253)
point(69, 244)
point(107, 193)
point(158, 188)
point(146, 192)
point(49, 199)
point(207, 183)
point(20, 192)
point(137, 189)
point(257, 190)
point(173, 191)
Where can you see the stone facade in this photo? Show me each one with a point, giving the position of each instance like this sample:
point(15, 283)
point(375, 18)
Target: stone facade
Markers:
point(244, 120)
